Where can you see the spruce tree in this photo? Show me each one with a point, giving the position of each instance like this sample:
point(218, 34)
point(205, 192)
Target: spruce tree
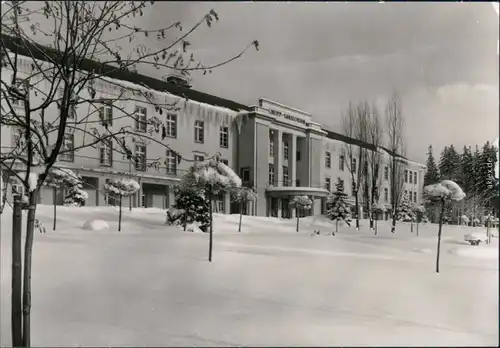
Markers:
point(405, 212)
point(337, 207)
point(432, 174)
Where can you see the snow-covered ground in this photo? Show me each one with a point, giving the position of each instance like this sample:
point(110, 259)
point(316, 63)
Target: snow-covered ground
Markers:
point(151, 285)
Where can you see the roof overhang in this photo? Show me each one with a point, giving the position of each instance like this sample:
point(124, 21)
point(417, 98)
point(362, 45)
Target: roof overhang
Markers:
point(283, 191)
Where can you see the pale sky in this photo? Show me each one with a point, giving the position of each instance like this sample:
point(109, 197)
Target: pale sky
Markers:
point(441, 57)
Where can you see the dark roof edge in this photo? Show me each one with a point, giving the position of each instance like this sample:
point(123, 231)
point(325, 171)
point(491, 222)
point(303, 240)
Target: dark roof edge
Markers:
point(39, 52)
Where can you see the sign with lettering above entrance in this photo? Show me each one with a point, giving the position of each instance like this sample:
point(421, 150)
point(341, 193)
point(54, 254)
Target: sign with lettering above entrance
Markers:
point(282, 111)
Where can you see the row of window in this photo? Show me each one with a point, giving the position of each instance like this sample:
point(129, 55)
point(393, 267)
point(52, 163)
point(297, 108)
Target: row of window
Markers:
point(286, 177)
point(286, 150)
point(410, 177)
point(106, 155)
point(199, 134)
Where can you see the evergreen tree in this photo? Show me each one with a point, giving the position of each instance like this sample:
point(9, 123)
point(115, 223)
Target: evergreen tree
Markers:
point(449, 164)
point(405, 212)
point(487, 183)
point(194, 205)
point(432, 174)
point(337, 207)
point(75, 194)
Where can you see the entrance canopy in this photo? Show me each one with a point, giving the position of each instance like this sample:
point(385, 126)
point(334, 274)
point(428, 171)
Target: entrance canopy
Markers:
point(284, 191)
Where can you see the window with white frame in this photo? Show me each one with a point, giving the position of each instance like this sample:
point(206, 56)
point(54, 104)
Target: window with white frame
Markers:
point(386, 173)
point(353, 187)
point(411, 177)
point(171, 125)
point(328, 184)
point(285, 150)
point(140, 157)
point(171, 162)
point(67, 152)
point(17, 190)
point(18, 141)
point(271, 174)
point(22, 86)
point(224, 137)
point(106, 152)
point(106, 114)
point(415, 196)
point(414, 177)
point(199, 158)
point(285, 176)
point(354, 162)
point(225, 161)
point(406, 194)
point(199, 131)
point(141, 118)
point(271, 146)
point(328, 159)
point(386, 195)
point(406, 176)
point(341, 161)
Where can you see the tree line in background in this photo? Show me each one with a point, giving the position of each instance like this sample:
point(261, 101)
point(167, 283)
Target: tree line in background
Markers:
point(474, 171)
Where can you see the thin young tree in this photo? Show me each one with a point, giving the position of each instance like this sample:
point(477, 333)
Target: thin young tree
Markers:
point(445, 191)
point(336, 206)
point(212, 177)
point(243, 196)
point(300, 203)
point(122, 187)
point(66, 79)
point(394, 128)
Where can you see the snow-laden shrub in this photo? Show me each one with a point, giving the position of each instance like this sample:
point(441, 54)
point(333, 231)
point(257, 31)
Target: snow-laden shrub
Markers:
point(211, 175)
point(302, 202)
point(465, 219)
point(95, 225)
point(243, 194)
point(405, 212)
point(122, 187)
point(61, 177)
point(190, 206)
point(446, 189)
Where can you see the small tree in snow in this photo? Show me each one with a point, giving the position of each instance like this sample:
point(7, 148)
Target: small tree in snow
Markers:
point(75, 195)
point(190, 206)
point(465, 220)
point(122, 187)
point(419, 211)
point(60, 178)
point(243, 195)
point(405, 212)
point(446, 191)
point(300, 203)
point(337, 207)
point(212, 177)
point(378, 208)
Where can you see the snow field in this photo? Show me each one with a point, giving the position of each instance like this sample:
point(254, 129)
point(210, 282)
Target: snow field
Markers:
point(151, 284)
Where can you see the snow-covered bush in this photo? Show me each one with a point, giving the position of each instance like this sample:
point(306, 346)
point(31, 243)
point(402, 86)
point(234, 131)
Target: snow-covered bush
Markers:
point(190, 206)
point(243, 195)
point(465, 220)
point(405, 212)
point(336, 206)
point(122, 187)
point(302, 202)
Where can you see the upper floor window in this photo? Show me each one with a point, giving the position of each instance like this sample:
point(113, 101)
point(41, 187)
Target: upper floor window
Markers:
point(224, 137)
point(22, 86)
point(328, 159)
point(106, 114)
point(354, 165)
point(386, 194)
point(67, 152)
point(285, 150)
point(341, 162)
point(271, 146)
point(406, 176)
point(106, 152)
point(140, 157)
point(354, 187)
point(414, 177)
point(386, 173)
point(72, 103)
point(141, 119)
point(199, 158)
point(328, 184)
point(411, 178)
point(171, 162)
point(199, 131)
point(415, 196)
point(171, 125)
point(285, 176)
point(271, 174)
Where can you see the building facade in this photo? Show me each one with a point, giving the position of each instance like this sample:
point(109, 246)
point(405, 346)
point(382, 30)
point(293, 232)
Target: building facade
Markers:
point(277, 149)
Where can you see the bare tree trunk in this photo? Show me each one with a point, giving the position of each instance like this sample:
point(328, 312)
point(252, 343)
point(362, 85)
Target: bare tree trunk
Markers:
point(16, 297)
point(336, 225)
point(28, 253)
point(376, 226)
point(393, 227)
point(356, 202)
point(210, 245)
point(120, 215)
point(411, 226)
point(55, 208)
point(439, 235)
